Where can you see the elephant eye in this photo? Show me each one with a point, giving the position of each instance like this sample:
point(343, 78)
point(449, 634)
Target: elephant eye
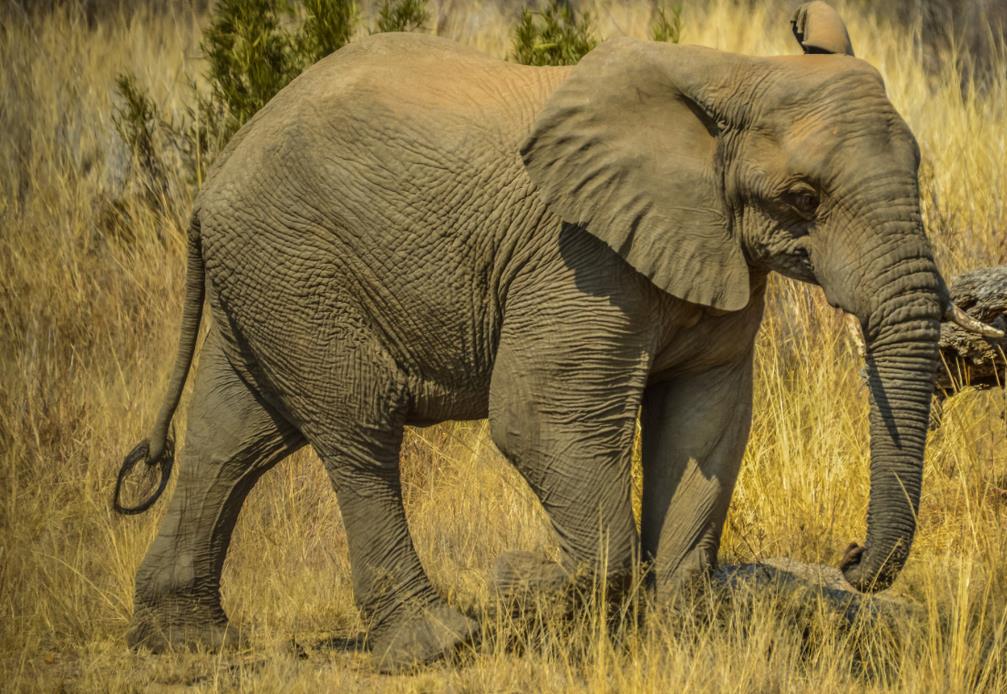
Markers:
point(803, 200)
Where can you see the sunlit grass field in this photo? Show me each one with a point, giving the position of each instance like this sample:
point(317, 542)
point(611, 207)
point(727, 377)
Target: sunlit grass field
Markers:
point(91, 285)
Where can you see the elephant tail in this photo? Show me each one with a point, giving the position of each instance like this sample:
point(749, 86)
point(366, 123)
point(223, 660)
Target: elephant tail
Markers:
point(157, 452)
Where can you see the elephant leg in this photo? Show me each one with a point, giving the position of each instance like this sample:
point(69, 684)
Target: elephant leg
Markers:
point(409, 623)
point(232, 438)
point(567, 424)
point(694, 433)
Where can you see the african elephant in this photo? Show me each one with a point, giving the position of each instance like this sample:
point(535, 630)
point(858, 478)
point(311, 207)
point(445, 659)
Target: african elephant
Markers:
point(413, 232)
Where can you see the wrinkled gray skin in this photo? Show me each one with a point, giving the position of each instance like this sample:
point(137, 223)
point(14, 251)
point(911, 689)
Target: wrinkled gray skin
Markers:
point(413, 232)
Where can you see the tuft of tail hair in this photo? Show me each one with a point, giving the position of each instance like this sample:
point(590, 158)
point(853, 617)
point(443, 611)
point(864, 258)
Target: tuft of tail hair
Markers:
point(141, 454)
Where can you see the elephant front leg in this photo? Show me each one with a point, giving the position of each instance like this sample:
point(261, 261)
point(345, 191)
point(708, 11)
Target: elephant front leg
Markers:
point(569, 432)
point(694, 433)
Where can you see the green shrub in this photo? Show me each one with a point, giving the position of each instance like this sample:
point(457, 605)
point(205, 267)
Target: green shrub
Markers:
point(666, 24)
point(402, 15)
point(137, 121)
point(554, 36)
point(253, 49)
point(327, 27)
point(252, 56)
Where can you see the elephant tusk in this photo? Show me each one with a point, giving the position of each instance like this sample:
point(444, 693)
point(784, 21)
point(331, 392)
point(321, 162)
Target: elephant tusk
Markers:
point(967, 322)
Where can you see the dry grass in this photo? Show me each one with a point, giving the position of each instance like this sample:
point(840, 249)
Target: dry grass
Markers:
point(91, 302)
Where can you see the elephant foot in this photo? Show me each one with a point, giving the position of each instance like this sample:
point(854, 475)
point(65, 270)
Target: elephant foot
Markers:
point(519, 574)
point(182, 626)
point(436, 632)
point(530, 586)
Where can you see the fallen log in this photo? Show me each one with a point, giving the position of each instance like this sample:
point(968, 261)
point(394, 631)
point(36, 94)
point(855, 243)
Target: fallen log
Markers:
point(809, 587)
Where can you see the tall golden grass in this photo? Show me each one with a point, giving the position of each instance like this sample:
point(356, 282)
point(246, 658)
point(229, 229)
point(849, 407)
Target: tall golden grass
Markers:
point(91, 283)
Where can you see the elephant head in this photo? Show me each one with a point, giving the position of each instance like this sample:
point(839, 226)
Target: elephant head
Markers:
point(701, 168)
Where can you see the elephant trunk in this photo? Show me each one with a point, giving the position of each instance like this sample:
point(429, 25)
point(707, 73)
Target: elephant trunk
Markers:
point(901, 322)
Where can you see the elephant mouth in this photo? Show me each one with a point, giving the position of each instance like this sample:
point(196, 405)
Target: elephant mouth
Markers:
point(802, 267)
point(787, 251)
point(803, 257)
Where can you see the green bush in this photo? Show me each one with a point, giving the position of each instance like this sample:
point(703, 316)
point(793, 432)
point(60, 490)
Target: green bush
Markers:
point(402, 15)
point(554, 36)
point(253, 49)
point(137, 121)
point(666, 25)
point(328, 27)
point(250, 56)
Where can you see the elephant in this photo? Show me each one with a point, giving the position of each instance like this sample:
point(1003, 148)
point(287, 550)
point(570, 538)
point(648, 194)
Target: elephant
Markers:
point(412, 232)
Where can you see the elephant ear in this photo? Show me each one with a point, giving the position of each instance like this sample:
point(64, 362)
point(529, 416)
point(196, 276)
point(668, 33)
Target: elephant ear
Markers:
point(624, 149)
point(820, 29)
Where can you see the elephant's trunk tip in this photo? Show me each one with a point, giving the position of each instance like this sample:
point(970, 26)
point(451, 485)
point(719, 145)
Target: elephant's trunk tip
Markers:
point(854, 565)
point(163, 458)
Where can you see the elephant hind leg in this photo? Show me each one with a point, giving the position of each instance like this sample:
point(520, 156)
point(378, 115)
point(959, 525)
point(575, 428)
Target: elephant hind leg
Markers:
point(232, 438)
point(409, 623)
